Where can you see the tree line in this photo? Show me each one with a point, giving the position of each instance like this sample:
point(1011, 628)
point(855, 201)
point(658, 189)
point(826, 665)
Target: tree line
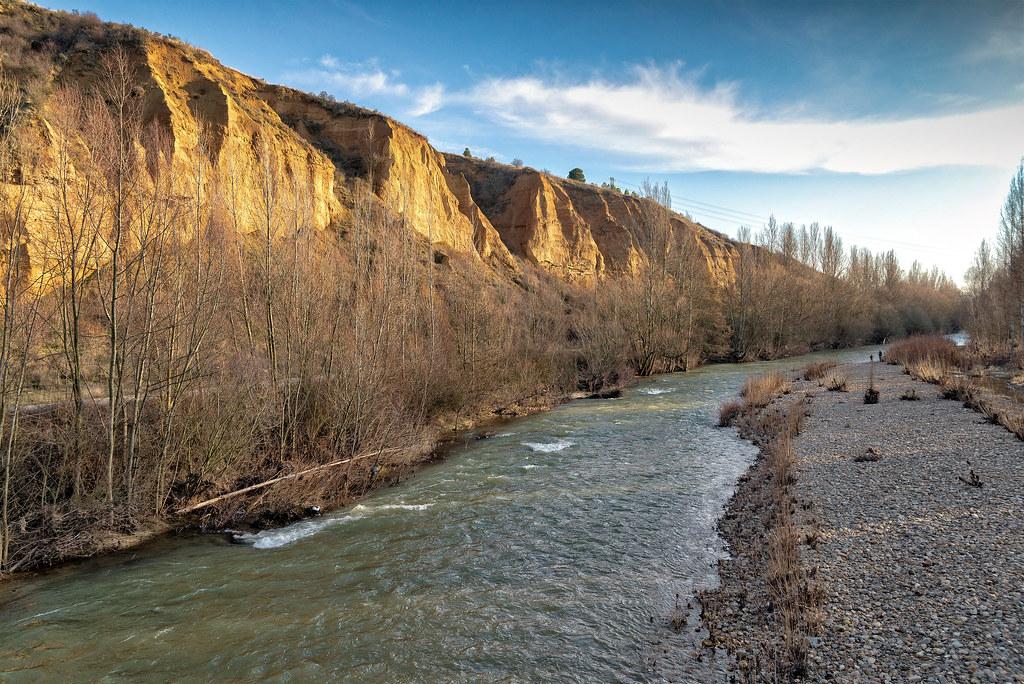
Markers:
point(995, 281)
point(163, 341)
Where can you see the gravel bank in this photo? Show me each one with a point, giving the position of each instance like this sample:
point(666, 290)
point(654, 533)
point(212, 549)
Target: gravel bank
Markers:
point(922, 574)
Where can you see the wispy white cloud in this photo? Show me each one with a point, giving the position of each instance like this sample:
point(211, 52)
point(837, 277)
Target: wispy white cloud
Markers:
point(428, 100)
point(351, 79)
point(1002, 45)
point(361, 80)
point(663, 119)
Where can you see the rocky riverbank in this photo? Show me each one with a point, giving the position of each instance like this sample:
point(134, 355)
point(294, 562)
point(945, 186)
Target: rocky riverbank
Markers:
point(910, 513)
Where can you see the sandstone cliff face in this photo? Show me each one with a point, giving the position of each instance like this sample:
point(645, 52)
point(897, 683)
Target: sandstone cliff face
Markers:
point(257, 133)
point(249, 143)
point(578, 231)
point(199, 105)
point(404, 171)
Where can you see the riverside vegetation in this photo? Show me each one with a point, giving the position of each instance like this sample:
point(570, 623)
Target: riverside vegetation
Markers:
point(961, 374)
point(208, 283)
point(762, 530)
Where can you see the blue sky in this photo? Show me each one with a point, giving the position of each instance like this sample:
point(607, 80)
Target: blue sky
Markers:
point(899, 123)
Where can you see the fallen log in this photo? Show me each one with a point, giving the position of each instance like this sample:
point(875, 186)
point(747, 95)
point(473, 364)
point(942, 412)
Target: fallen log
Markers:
point(267, 483)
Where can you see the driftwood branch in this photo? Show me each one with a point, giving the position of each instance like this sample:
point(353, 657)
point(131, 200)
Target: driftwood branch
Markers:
point(971, 479)
point(267, 483)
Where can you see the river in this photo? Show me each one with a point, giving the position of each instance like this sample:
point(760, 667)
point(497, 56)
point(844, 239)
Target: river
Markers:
point(551, 551)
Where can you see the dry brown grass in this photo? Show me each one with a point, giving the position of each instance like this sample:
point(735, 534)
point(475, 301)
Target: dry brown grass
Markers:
point(794, 593)
point(835, 382)
point(758, 390)
point(782, 459)
point(936, 360)
point(791, 590)
point(930, 370)
point(961, 389)
point(1014, 423)
point(818, 369)
point(934, 348)
point(1011, 420)
point(956, 388)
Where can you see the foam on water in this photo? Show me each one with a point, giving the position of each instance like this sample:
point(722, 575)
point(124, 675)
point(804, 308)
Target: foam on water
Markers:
point(549, 447)
point(391, 507)
point(283, 536)
point(655, 390)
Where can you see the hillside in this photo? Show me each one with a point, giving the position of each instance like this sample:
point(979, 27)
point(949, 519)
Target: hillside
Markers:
point(504, 215)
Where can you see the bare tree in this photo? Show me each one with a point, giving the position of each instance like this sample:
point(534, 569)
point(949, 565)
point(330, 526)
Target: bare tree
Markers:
point(1011, 245)
point(19, 294)
point(114, 134)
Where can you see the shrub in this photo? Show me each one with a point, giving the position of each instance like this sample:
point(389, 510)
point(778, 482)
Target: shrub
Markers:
point(910, 395)
point(934, 348)
point(577, 175)
point(871, 395)
point(818, 369)
point(517, 162)
point(729, 411)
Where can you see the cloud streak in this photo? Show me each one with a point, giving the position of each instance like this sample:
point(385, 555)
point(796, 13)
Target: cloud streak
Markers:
point(367, 80)
point(661, 119)
point(359, 79)
point(1001, 45)
point(665, 121)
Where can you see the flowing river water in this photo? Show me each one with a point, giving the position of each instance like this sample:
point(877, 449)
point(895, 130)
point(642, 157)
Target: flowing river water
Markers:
point(553, 550)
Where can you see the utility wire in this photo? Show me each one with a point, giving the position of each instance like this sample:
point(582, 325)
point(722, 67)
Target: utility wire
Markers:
point(738, 216)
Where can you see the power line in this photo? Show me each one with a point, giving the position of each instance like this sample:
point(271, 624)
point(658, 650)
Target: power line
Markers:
point(720, 213)
point(744, 214)
point(725, 214)
point(709, 208)
point(697, 211)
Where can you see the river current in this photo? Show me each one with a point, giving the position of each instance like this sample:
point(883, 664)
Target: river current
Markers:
point(553, 550)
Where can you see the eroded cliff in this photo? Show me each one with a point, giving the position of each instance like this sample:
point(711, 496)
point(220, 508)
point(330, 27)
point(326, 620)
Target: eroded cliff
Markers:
point(575, 230)
point(258, 136)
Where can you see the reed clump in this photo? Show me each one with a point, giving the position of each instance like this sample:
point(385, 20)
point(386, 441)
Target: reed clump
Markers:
point(835, 382)
point(757, 393)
